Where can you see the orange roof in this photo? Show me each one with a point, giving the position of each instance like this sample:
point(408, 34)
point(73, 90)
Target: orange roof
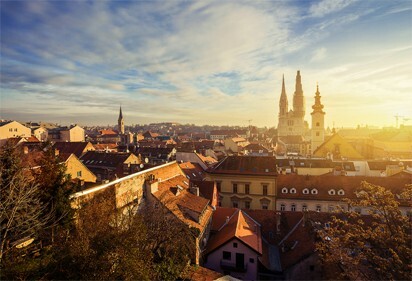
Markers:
point(183, 204)
point(107, 132)
point(241, 226)
point(192, 170)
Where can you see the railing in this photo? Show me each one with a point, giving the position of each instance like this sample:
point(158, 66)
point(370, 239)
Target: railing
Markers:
point(232, 266)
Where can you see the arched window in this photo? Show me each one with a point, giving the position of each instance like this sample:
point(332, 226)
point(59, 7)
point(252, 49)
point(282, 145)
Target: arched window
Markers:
point(284, 190)
point(314, 191)
point(306, 191)
point(282, 207)
point(293, 207)
point(341, 192)
point(293, 190)
point(318, 208)
point(304, 208)
point(332, 192)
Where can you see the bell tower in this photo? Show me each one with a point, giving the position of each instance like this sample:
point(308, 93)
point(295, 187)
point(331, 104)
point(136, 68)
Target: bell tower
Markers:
point(120, 122)
point(318, 122)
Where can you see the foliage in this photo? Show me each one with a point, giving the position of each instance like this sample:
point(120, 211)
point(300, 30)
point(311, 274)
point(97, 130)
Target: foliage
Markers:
point(21, 212)
point(372, 247)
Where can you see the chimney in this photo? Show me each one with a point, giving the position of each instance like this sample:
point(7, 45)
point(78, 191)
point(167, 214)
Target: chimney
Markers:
point(278, 217)
point(154, 186)
point(25, 149)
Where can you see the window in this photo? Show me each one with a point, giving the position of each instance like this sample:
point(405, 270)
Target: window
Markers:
point(312, 268)
point(11, 130)
point(331, 209)
point(246, 188)
point(218, 185)
point(247, 205)
point(227, 255)
point(304, 207)
point(293, 190)
point(314, 191)
point(79, 173)
point(252, 260)
point(234, 188)
point(234, 245)
point(265, 189)
point(282, 207)
point(306, 191)
point(341, 192)
point(284, 190)
point(264, 206)
point(317, 134)
point(317, 124)
point(293, 207)
point(235, 204)
point(318, 208)
point(331, 192)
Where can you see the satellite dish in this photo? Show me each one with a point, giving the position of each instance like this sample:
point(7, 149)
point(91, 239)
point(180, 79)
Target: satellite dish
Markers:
point(146, 160)
point(141, 166)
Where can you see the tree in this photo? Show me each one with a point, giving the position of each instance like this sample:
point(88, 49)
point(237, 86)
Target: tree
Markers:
point(372, 247)
point(50, 175)
point(21, 212)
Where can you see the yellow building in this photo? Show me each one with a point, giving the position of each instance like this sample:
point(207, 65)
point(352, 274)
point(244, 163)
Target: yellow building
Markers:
point(74, 133)
point(246, 182)
point(337, 147)
point(76, 169)
point(13, 129)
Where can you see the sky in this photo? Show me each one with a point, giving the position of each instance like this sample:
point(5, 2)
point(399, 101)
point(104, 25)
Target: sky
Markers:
point(204, 62)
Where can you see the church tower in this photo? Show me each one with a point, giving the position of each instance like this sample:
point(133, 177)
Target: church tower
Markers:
point(283, 112)
point(120, 122)
point(298, 98)
point(318, 122)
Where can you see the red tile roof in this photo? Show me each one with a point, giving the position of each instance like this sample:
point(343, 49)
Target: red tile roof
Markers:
point(240, 226)
point(192, 170)
point(77, 148)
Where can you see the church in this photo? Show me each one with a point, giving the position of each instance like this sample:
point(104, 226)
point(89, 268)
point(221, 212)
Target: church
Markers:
point(294, 135)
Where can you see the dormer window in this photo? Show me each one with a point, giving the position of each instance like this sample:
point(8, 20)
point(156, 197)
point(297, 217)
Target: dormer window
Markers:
point(341, 192)
point(332, 192)
point(314, 191)
point(284, 190)
point(293, 190)
point(306, 191)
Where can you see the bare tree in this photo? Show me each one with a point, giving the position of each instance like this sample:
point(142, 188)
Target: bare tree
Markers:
point(21, 211)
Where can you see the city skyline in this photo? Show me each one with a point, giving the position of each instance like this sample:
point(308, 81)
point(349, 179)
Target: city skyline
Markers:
point(204, 62)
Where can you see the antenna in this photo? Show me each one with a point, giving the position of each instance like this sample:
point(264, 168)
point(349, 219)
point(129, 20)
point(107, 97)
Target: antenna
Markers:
point(397, 117)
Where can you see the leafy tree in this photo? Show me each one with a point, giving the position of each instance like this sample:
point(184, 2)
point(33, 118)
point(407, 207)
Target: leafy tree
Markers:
point(372, 247)
point(50, 175)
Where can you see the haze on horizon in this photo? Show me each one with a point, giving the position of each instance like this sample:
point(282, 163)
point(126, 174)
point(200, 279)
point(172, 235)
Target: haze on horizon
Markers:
point(204, 62)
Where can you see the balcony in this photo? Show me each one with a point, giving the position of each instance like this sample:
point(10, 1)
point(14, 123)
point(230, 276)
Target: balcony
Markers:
point(232, 266)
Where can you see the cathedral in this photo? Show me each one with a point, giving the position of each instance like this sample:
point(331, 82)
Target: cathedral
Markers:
point(293, 130)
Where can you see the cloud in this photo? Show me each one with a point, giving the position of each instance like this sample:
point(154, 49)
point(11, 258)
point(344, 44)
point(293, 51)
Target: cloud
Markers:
point(318, 54)
point(326, 7)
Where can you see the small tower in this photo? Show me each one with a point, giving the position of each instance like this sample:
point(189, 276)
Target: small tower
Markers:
point(298, 98)
point(318, 122)
point(120, 122)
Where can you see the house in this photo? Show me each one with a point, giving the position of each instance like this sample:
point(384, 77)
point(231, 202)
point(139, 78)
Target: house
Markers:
point(206, 189)
point(156, 155)
point(189, 209)
point(111, 165)
point(245, 181)
point(66, 134)
point(13, 129)
point(223, 134)
point(255, 149)
point(193, 171)
point(293, 144)
point(236, 245)
point(77, 148)
point(299, 193)
point(40, 133)
point(75, 168)
point(235, 145)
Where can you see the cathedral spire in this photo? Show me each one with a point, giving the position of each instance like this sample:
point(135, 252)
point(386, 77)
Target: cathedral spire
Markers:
point(298, 98)
point(318, 106)
point(283, 103)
